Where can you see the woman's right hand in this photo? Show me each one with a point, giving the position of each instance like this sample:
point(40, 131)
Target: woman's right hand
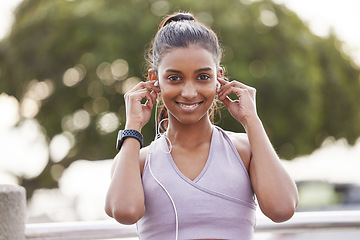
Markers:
point(138, 114)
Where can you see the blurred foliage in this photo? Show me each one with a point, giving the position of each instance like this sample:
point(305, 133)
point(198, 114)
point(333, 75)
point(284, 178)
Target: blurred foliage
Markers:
point(70, 62)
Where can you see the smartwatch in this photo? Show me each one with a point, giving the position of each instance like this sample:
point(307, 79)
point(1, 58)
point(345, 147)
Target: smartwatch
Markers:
point(128, 133)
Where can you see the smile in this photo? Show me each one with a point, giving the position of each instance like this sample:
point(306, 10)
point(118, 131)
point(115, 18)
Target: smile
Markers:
point(188, 106)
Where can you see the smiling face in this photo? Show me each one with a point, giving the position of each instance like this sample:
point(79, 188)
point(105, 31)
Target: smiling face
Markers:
point(187, 78)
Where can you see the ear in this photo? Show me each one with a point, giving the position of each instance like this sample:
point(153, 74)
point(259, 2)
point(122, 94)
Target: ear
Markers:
point(220, 73)
point(152, 75)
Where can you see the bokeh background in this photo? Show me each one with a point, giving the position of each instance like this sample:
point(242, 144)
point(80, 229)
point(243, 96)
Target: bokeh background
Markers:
point(65, 65)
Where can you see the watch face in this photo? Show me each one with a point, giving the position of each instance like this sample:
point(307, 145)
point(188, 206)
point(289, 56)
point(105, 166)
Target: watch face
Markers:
point(118, 141)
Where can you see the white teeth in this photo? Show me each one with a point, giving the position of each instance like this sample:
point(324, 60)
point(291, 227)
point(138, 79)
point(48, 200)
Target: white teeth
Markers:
point(189, 106)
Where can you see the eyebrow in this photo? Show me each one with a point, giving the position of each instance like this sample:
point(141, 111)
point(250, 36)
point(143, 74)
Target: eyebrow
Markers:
point(204, 69)
point(198, 70)
point(173, 70)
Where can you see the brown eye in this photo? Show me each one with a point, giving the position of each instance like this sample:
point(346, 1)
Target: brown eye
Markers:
point(203, 77)
point(173, 78)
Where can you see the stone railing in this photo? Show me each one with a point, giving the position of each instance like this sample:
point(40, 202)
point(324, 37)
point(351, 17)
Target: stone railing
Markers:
point(13, 227)
point(12, 212)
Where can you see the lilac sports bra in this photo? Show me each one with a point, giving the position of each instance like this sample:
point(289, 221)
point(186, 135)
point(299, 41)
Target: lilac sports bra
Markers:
point(218, 204)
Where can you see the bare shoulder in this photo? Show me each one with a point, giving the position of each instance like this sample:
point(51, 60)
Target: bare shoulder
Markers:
point(240, 139)
point(242, 145)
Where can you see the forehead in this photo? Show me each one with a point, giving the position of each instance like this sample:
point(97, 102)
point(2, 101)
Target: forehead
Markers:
point(193, 56)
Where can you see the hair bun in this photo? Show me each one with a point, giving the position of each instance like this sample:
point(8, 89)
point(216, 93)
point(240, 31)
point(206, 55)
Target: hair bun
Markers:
point(177, 17)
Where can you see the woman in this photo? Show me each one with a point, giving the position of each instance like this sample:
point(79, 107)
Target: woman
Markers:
point(196, 181)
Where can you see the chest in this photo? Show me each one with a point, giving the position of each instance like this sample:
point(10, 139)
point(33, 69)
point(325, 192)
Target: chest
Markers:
point(191, 162)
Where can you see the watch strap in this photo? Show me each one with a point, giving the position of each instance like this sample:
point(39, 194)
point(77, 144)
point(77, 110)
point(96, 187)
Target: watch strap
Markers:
point(128, 133)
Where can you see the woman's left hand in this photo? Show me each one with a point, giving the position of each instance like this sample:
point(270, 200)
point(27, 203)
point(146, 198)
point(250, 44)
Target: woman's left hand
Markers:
point(243, 108)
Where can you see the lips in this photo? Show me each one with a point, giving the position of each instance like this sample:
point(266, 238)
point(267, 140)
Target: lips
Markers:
point(189, 106)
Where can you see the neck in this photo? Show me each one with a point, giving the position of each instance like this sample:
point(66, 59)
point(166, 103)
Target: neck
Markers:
point(189, 135)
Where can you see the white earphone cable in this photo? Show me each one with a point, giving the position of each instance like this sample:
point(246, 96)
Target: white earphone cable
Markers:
point(171, 199)
point(158, 135)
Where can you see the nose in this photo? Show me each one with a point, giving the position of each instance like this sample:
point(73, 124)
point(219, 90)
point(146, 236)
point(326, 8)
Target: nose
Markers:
point(189, 90)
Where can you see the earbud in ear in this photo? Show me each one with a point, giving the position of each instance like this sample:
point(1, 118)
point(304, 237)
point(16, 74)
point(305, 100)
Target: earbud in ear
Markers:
point(156, 84)
point(218, 85)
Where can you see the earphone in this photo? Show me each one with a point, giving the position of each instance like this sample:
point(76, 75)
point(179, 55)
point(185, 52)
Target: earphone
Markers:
point(156, 84)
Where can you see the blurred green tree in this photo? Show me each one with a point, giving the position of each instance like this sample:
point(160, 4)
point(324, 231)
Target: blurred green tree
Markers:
point(70, 62)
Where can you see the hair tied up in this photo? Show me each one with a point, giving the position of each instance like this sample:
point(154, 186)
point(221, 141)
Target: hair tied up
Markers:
point(177, 17)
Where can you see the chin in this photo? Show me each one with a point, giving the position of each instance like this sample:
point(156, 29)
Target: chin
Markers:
point(191, 120)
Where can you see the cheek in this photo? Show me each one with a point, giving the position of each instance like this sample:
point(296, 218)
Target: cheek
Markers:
point(208, 90)
point(167, 96)
point(169, 91)
point(211, 99)
point(212, 94)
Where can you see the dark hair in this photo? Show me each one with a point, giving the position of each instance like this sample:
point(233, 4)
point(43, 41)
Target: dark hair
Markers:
point(180, 30)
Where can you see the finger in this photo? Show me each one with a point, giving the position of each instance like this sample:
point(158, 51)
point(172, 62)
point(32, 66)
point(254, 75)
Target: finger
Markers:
point(227, 101)
point(240, 84)
point(138, 96)
point(222, 81)
point(224, 85)
point(234, 83)
point(150, 103)
point(153, 96)
point(149, 85)
point(227, 90)
point(237, 88)
point(149, 99)
point(153, 87)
